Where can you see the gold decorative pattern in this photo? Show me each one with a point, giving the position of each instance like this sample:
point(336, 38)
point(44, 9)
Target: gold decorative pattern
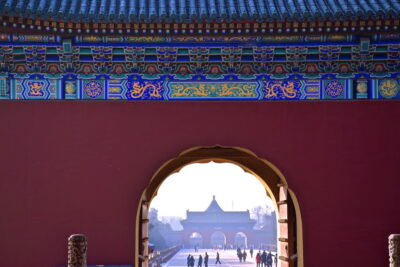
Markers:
point(388, 88)
point(213, 90)
point(70, 88)
point(35, 88)
point(138, 89)
point(287, 89)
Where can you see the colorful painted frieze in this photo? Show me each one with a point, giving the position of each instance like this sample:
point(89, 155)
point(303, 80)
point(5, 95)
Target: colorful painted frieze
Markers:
point(213, 90)
point(196, 87)
point(279, 57)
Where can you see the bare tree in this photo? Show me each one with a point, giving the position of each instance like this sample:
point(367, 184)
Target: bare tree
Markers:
point(257, 213)
point(269, 210)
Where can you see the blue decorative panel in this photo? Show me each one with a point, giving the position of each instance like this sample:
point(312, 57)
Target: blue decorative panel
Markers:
point(149, 90)
point(136, 89)
point(362, 91)
point(193, 87)
point(93, 89)
point(36, 89)
point(285, 89)
point(70, 89)
point(334, 89)
point(4, 89)
point(116, 89)
point(311, 90)
point(213, 90)
point(337, 89)
point(387, 88)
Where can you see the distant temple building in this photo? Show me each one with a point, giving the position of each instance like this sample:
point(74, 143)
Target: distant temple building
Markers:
point(215, 227)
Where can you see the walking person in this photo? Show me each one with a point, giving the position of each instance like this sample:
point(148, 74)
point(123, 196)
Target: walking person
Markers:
point(258, 260)
point(251, 252)
point(200, 261)
point(217, 259)
point(206, 260)
point(244, 255)
point(264, 259)
point(269, 259)
point(191, 261)
point(239, 254)
point(188, 260)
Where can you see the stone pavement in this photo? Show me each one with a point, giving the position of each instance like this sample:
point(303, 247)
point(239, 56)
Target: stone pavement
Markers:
point(228, 258)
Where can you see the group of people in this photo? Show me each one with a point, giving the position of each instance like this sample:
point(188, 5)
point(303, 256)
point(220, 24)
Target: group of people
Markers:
point(243, 255)
point(264, 259)
point(191, 260)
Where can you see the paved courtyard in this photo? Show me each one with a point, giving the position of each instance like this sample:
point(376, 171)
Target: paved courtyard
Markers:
point(228, 258)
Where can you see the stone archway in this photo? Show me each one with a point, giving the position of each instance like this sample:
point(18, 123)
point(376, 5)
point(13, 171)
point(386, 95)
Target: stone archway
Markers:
point(196, 240)
point(218, 239)
point(240, 240)
point(290, 235)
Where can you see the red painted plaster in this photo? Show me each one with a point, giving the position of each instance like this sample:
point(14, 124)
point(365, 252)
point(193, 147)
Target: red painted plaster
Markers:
point(80, 167)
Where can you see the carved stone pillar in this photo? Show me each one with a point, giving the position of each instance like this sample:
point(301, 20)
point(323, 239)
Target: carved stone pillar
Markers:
point(394, 250)
point(77, 246)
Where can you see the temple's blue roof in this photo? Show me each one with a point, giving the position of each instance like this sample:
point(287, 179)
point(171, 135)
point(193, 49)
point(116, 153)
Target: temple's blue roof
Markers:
point(199, 10)
point(214, 206)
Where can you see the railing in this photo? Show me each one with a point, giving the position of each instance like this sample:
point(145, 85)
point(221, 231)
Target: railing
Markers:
point(158, 257)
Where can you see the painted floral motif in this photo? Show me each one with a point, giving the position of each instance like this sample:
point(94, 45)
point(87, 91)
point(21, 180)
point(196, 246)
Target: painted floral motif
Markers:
point(93, 89)
point(334, 89)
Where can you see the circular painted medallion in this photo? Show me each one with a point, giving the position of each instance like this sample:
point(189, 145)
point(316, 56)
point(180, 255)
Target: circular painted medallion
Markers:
point(93, 89)
point(388, 88)
point(334, 89)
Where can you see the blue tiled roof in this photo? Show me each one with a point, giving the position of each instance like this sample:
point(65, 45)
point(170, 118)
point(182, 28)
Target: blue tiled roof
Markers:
point(199, 10)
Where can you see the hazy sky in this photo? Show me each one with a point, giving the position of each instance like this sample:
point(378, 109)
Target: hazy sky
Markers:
point(193, 187)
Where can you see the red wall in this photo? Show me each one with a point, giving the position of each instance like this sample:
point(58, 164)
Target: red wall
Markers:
point(80, 167)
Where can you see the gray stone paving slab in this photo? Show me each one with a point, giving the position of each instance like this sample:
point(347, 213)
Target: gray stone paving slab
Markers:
point(228, 258)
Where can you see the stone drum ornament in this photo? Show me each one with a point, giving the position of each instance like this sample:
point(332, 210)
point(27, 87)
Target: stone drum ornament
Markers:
point(77, 246)
point(394, 250)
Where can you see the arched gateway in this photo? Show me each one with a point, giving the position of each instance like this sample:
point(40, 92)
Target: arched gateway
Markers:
point(290, 241)
point(241, 240)
point(195, 239)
